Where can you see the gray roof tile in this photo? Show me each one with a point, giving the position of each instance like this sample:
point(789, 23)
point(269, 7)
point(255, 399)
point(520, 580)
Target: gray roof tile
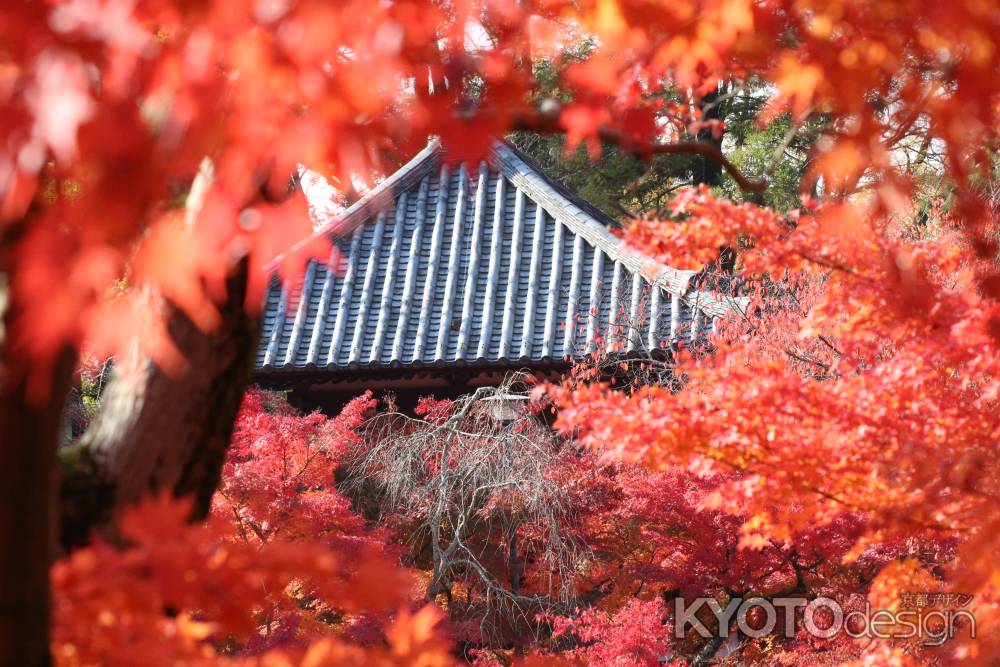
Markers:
point(488, 263)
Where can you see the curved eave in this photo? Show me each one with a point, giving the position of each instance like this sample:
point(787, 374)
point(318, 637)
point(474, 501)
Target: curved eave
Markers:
point(523, 362)
point(281, 377)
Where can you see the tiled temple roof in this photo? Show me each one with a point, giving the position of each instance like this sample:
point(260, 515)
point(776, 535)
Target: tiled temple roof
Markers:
point(488, 264)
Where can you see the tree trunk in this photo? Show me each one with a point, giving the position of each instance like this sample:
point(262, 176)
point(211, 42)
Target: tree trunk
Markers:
point(156, 432)
point(29, 424)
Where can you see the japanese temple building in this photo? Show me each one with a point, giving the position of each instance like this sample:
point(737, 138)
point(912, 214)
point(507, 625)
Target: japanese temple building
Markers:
point(446, 277)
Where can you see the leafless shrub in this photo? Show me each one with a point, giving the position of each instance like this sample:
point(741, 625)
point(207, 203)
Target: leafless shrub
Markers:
point(484, 498)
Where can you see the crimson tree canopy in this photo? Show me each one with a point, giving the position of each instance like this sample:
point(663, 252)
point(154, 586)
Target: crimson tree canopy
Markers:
point(869, 386)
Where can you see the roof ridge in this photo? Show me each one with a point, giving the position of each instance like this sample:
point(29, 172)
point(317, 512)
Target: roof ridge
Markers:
point(597, 214)
point(566, 208)
point(585, 219)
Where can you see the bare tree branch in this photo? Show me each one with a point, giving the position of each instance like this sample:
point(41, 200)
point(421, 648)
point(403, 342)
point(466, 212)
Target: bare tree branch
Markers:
point(548, 123)
point(483, 492)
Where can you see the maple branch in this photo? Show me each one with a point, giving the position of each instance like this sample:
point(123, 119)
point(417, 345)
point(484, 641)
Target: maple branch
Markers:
point(808, 360)
point(829, 264)
point(236, 515)
point(547, 122)
point(823, 339)
point(708, 651)
point(915, 111)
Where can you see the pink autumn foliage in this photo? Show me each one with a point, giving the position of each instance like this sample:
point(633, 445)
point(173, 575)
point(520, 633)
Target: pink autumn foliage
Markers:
point(278, 479)
point(638, 635)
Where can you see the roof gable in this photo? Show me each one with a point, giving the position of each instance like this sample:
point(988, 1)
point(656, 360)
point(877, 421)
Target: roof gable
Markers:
point(489, 264)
